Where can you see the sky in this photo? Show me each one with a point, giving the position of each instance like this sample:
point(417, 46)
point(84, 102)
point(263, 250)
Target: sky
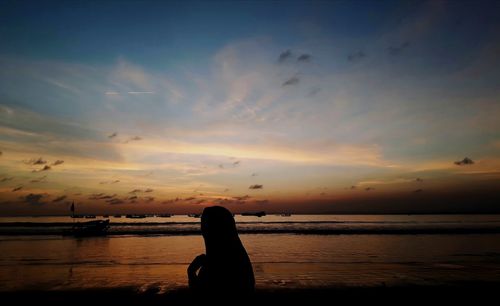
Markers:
point(281, 106)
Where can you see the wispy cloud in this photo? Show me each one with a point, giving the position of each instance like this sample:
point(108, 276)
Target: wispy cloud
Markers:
point(304, 58)
point(101, 196)
point(291, 81)
point(45, 168)
point(59, 199)
point(34, 199)
point(464, 162)
point(36, 161)
point(38, 180)
point(356, 56)
point(256, 186)
point(397, 50)
point(284, 56)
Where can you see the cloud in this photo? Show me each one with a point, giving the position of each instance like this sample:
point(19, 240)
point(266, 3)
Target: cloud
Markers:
point(1, 153)
point(356, 56)
point(45, 168)
point(291, 81)
point(314, 91)
point(304, 58)
point(254, 174)
point(115, 201)
point(109, 182)
point(236, 163)
point(352, 187)
point(58, 162)
point(262, 202)
point(38, 180)
point(149, 199)
point(36, 161)
point(59, 199)
point(242, 198)
point(419, 180)
point(369, 188)
point(256, 186)
point(135, 138)
point(140, 92)
point(418, 191)
point(464, 162)
point(141, 190)
point(17, 188)
point(101, 196)
point(397, 50)
point(113, 135)
point(285, 55)
point(227, 201)
point(6, 179)
point(34, 199)
point(170, 201)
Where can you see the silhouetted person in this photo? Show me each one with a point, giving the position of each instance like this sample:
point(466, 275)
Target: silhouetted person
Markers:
point(225, 270)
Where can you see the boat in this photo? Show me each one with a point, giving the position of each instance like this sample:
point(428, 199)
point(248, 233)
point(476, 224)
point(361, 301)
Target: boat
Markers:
point(256, 214)
point(89, 217)
point(89, 229)
point(285, 214)
point(77, 216)
point(194, 215)
point(135, 216)
point(164, 215)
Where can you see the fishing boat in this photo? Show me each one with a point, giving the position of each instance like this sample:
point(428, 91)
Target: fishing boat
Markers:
point(164, 215)
point(194, 215)
point(286, 214)
point(256, 214)
point(89, 229)
point(135, 216)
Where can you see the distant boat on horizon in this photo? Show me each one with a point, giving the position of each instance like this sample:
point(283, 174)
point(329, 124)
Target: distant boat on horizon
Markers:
point(194, 215)
point(89, 229)
point(256, 214)
point(164, 215)
point(135, 216)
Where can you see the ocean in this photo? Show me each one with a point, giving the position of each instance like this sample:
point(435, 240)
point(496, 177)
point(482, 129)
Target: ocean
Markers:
point(299, 251)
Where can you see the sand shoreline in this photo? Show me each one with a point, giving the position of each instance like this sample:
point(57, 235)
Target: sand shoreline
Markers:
point(459, 292)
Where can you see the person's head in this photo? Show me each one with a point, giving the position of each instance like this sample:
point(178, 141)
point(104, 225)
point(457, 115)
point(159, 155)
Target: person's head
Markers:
point(218, 223)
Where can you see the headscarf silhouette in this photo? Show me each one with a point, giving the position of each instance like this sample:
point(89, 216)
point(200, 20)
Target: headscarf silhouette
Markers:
point(226, 267)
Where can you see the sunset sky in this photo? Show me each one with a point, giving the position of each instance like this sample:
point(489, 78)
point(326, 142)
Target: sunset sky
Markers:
point(341, 106)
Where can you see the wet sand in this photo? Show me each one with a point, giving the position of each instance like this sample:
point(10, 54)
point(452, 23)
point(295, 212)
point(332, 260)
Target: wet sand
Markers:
point(475, 292)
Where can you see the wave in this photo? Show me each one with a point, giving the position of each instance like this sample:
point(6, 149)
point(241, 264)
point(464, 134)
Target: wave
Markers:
point(310, 230)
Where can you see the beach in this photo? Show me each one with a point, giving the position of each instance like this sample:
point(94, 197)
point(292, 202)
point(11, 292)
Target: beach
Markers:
point(291, 266)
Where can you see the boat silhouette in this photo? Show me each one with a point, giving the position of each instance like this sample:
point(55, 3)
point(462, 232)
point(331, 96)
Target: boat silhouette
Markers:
point(89, 229)
point(256, 214)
